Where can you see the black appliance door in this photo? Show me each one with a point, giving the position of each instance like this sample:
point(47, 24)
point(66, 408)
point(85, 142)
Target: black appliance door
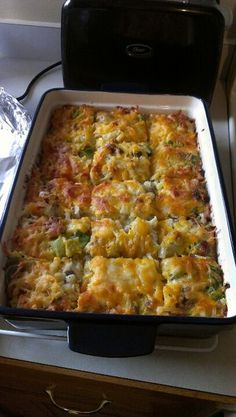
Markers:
point(149, 46)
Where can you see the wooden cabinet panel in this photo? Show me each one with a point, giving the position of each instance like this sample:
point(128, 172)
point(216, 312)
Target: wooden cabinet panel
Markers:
point(15, 403)
point(23, 394)
point(132, 402)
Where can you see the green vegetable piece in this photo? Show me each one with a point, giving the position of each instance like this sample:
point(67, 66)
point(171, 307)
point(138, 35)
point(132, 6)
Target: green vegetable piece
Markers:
point(215, 294)
point(83, 238)
point(215, 275)
point(191, 159)
point(149, 151)
point(75, 113)
point(177, 275)
point(88, 152)
point(175, 144)
point(76, 244)
point(58, 247)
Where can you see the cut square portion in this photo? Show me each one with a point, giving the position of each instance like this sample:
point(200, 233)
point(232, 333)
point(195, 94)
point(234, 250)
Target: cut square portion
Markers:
point(175, 128)
point(121, 286)
point(64, 159)
point(167, 159)
point(71, 123)
point(111, 240)
point(68, 146)
point(122, 201)
point(58, 198)
point(194, 287)
point(182, 196)
point(120, 125)
point(185, 237)
point(39, 284)
point(121, 161)
point(46, 237)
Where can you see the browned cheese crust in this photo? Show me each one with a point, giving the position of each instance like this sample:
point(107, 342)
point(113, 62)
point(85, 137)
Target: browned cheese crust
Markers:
point(117, 219)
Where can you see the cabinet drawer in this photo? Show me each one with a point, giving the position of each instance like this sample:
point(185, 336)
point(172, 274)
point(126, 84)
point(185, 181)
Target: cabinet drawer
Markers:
point(24, 388)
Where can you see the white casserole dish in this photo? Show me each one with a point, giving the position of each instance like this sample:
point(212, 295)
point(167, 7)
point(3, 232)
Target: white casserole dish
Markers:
point(94, 333)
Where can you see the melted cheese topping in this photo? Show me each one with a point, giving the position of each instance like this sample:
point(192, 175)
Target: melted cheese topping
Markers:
point(66, 160)
point(47, 237)
point(123, 286)
point(110, 194)
point(58, 198)
point(194, 287)
point(167, 158)
point(120, 125)
point(175, 128)
point(121, 162)
point(41, 284)
point(185, 237)
point(122, 201)
point(71, 124)
point(136, 240)
point(181, 197)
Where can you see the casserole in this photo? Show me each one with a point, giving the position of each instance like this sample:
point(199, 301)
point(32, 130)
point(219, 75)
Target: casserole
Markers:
point(124, 334)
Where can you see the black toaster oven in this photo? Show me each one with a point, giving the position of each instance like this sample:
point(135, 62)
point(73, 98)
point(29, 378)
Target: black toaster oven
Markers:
point(144, 46)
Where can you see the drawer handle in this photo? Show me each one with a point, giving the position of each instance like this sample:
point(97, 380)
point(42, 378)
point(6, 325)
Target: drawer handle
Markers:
point(76, 412)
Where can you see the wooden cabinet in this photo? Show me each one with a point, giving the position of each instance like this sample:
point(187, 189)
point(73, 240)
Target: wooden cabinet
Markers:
point(23, 393)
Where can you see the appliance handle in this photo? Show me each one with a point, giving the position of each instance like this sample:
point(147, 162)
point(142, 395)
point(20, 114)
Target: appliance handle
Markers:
point(36, 335)
point(120, 339)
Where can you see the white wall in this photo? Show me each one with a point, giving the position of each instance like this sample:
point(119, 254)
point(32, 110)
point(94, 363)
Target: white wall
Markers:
point(31, 10)
point(49, 11)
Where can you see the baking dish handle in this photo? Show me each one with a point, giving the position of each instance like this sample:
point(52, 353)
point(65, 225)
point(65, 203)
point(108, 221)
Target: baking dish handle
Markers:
point(117, 339)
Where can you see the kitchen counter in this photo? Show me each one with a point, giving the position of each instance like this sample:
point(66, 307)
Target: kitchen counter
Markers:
point(205, 365)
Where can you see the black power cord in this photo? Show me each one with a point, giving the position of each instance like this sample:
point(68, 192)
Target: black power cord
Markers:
point(36, 77)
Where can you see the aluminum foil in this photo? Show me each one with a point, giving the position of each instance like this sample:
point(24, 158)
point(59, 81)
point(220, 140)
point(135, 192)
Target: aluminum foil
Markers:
point(15, 122)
